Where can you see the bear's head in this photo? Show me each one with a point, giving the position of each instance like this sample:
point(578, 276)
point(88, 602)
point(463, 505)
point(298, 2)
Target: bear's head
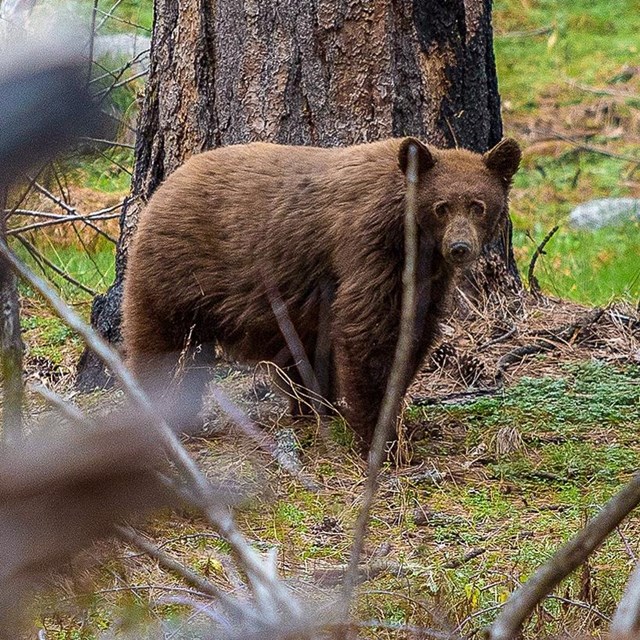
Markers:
point(462, 196)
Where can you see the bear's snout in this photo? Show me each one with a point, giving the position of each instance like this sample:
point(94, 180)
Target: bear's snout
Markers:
point(460, 252)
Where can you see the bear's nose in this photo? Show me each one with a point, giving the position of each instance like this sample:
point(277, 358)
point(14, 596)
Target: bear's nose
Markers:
point(460, 250)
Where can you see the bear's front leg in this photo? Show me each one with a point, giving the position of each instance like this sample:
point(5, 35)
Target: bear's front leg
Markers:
point(362, 381)
point(364, 358)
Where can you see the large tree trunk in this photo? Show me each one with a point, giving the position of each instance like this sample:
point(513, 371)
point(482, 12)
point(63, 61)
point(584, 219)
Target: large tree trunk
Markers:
point(314, 72)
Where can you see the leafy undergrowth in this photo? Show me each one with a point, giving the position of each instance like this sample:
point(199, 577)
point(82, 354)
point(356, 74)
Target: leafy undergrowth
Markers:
point(504, 479)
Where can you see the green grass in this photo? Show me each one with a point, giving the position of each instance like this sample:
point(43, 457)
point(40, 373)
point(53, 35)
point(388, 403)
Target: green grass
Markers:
point(588, 41)
point(579, 443)
point(127, 14)
point(93, 268)
point(108, 171)
point(584, 398)
point(592, 43)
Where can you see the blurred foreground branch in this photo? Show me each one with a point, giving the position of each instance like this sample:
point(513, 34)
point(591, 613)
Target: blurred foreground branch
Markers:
point(400, 371)
point(568, 558)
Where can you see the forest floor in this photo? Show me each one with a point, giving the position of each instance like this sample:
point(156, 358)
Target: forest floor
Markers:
point(496, 470)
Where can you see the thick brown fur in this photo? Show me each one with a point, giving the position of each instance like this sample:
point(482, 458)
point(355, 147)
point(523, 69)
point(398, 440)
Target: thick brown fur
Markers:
point(235, 221)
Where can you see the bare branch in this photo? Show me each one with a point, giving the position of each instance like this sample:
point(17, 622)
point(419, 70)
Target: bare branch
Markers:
point(568, 558)
point(92, 38)
point(40, 259)
point(554, 135)
point(110, 15)
point(72, 210)
point(599, 91)
point(10, 345)
point(396, 383)
point(109, 143)
point(534, 286)
point(296, 348)
point(116, 85)
point(170, 564)
point(69, 411)
point(540, 31)
point(106, 15)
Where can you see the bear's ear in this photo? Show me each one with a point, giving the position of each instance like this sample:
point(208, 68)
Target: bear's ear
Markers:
point(504, 158)
point(425, 159)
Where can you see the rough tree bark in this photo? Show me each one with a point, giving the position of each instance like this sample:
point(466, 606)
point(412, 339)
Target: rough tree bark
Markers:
point(314, 72)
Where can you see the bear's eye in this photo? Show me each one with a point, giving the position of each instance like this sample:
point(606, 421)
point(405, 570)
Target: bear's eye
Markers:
point(477, 208)
point(440, 208)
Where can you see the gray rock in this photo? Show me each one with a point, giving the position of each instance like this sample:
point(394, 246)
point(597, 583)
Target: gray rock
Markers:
point(603, 212)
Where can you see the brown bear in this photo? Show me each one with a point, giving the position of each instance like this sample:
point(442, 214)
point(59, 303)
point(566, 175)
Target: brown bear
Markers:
point(234, 223)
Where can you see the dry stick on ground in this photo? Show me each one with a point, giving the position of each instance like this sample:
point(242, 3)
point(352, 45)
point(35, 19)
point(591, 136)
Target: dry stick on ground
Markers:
point(170, 564)
point(554, 135)
point(396, 383)
point(626, 620)
point(270, 593)
point(599, 91)
point(561, 334)
point(534, 286)
point(568, 558)
point(540, 31)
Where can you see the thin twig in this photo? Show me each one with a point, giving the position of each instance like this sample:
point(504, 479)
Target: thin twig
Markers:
point(395, 385)
point(107, 15)
point(110, 143)
point(568, 558)
point(501, 338)
point(554, 135)
point(630, 552)
point(92, 38)
point(534, 285)
point(580, 605)
point(296, 348)
point(470, 555)
point(116, 74)
point(599, 91)
point(62, 219)
point(124, 21)
point(540, 31)
point(69, 411)
point(116, 85)
point(68, 208)
point(11, 348)
point(169, 563)
point(37, 255)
